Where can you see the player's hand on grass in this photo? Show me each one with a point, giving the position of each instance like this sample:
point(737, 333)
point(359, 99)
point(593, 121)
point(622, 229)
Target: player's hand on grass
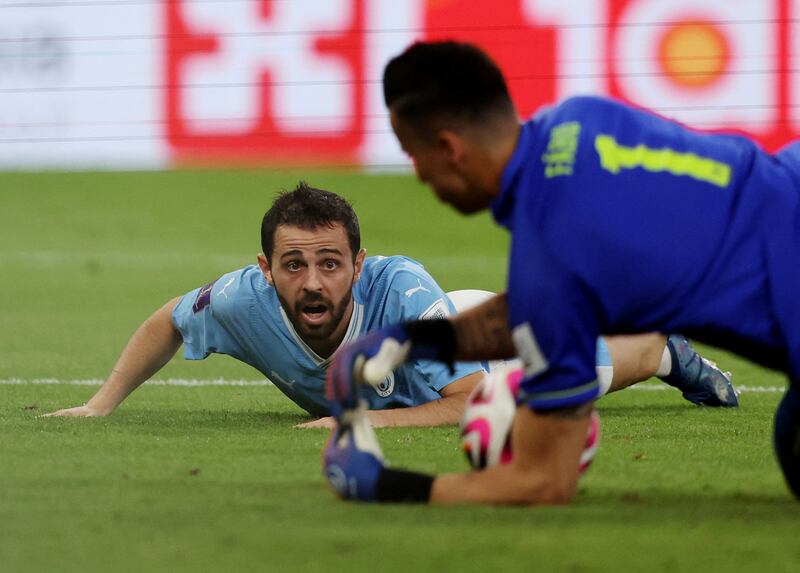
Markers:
point(352, 459)
point(328, 422)
point(76, 412)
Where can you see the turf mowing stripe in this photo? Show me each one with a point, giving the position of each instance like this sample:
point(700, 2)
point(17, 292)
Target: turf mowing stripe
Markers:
point(194, 382)
point(235, 260)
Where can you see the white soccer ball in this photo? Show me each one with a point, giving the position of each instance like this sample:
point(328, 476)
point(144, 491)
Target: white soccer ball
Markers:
point(489, 413)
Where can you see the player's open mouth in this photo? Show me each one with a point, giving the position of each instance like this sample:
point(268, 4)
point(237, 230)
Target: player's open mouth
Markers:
point(314, 313)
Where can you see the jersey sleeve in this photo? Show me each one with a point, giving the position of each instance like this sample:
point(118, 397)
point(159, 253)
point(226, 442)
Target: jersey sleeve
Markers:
point(415, 295)
point(552, 323)
point(200, 318)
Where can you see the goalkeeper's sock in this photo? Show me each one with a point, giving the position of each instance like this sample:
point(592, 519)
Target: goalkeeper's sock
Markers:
point(787, 436)
point(665, 366)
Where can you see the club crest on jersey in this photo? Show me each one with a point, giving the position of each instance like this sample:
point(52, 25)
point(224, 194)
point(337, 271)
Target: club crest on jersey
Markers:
point(386, 387)
point(203, 298)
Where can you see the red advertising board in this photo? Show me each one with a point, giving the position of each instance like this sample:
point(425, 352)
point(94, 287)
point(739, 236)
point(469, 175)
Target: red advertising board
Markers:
point(274, 55)
point(714, 64)
point(277, 82)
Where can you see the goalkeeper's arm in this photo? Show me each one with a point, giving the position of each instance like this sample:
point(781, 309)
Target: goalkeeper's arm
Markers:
point(546, 445)
point(480, 333)
point(544, 469)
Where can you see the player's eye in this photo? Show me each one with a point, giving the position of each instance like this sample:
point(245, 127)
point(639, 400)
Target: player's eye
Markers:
point(293, 266)
point(330, 264)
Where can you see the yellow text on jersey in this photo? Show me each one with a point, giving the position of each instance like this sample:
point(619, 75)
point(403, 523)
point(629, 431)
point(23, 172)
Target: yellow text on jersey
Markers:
point(615, 157)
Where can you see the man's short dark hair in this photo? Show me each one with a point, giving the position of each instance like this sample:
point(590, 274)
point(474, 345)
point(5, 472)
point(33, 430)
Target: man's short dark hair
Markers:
point(444, 79)
point(309, 208)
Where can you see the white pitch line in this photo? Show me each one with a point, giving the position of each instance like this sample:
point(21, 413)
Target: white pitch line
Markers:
point(194, 382)
point(739, 389)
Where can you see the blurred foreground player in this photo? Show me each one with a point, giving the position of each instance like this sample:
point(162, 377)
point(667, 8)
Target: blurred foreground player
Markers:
point(314, 290)
point(621, 221)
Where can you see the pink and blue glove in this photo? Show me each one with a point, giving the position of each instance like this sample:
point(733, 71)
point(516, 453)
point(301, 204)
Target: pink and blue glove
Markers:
point(352, 459)
point(372, 357)
point(353, 464)
point(385, 350)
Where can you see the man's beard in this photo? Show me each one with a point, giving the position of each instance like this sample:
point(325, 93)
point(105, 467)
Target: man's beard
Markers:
point(322, 331)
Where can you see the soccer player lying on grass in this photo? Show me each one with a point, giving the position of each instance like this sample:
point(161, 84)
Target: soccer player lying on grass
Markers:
point(313, 291)
point(621, 221)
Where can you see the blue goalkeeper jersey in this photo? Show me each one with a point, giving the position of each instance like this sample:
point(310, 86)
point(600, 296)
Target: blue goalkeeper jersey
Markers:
point(623, 221)
point(239, 314)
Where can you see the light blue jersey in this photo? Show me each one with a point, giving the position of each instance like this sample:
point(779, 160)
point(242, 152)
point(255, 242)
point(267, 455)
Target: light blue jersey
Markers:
point(239, 314)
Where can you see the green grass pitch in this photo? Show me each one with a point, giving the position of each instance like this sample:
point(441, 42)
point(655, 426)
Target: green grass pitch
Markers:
point(215, 478)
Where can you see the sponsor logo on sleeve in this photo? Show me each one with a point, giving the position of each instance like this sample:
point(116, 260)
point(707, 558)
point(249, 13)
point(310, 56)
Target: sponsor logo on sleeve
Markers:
point(412, 291)
point(275, 377)
point(437, 310)
point(225, 286)
point(203, 298)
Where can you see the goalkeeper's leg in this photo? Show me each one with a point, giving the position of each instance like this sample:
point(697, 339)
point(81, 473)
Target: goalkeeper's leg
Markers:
point(787, 436)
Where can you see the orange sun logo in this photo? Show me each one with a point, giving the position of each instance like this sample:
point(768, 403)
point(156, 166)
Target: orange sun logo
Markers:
point(694, 54)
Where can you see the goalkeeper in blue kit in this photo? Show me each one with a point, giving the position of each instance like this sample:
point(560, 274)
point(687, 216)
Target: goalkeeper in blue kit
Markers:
point(621, 221)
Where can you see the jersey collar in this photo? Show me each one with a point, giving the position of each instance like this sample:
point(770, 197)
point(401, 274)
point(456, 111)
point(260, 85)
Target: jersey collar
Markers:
point(502, 204)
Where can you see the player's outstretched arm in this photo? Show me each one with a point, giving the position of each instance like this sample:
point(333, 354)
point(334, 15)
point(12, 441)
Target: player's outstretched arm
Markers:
point(446, 410)
point(148, 350)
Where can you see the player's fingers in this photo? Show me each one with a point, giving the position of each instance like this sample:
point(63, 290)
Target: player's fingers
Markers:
point(57, 413)
point(79, 412)
point(322, 423)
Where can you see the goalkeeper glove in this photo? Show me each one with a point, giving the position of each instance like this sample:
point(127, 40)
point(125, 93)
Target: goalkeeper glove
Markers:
point(353, 464)
point(371, 358)
point(353, 459)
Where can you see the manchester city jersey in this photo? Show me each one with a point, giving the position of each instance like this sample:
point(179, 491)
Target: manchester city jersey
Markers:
point(239, 314)
point(623, 221)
